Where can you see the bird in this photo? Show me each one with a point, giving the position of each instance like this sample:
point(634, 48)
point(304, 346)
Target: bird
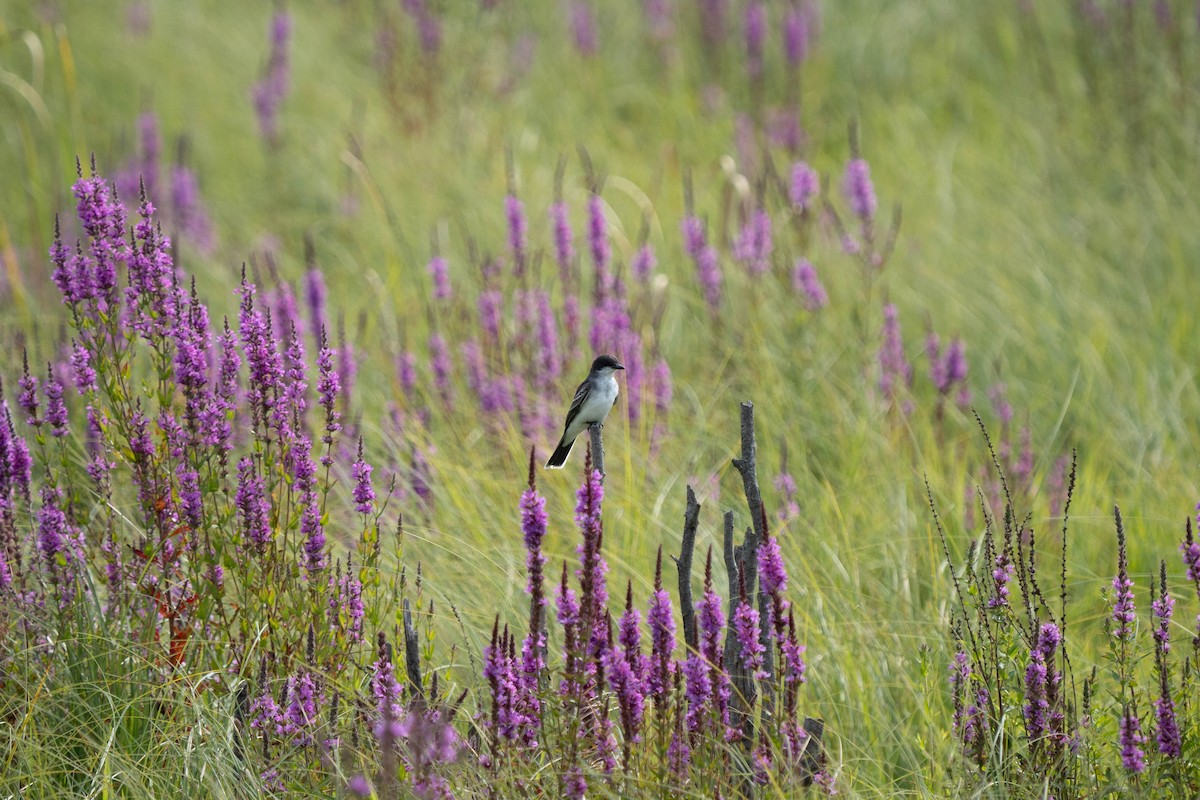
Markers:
point(593, 400)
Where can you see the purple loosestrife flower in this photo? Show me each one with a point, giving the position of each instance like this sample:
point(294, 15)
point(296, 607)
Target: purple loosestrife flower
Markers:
point(153, 295)
point(364, 494)
point(566, 603)
point(385, 690)
point(506, 720)
point(1124, 612)
point(806, 283)
point(856, 184)
point(346, 609)
point(216, 421)
point(592, 566)
point(694, 239)
point(708, 271)
point(756, 32)
point(253, 507)
point(644, 263)
point(262, 358)
point(518, 233)
point(564, 248)
point(598, 245)
point(749, 637)
point(795, 35)
point(1131, 741)
point(785, 485)
point(753, 247)
point(805, 186)
point(583, 28)
point(795, 670)
point(315, 294)
point(328, 389)
point(1190, 548)
point(697, 672)
point(439, 359)
point(574, 784)
point(533, 531)
point(301, 715)
point(81, 366)
point(548, 363)
point(103, 220)
point(491, 303)
point(56, 409)
point(439, 271)
point(359, 786)
point(624, 670)
point(284, 310)
point(28, 398)
point(52, 529)
point(1041, 683)
point(144, 170)
point(268, 93)
point(661, 620)
point(1001, 575)
point(895, 369)
point(191, 217)
point(1170, 742)
point(17, 466)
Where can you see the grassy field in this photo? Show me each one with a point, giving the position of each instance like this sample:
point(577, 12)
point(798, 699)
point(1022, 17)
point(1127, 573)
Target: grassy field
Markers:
point(1043, 164)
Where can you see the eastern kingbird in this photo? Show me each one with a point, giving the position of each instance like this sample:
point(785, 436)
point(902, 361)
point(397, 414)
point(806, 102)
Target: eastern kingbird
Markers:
point(593, 400)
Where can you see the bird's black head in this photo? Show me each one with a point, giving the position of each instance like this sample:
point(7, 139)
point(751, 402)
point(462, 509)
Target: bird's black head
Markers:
point(606, 362)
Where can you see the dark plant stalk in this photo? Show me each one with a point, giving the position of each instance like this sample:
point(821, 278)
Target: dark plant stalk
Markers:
point(691, 520)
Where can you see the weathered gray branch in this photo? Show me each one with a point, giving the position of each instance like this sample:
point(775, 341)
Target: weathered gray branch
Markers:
point(412, 652)
point(691, 520)
point(747, 465)
point(596, 431)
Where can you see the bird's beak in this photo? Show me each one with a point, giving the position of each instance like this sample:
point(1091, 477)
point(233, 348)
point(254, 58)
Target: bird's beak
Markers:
point(620, 366)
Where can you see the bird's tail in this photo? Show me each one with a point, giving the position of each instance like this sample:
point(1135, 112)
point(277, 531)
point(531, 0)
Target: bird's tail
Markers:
point(559, 456)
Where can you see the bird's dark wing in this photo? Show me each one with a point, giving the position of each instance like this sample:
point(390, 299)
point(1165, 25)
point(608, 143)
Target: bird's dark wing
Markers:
point(581, 394)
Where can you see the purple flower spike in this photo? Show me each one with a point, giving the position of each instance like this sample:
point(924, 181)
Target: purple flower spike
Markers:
point(564, 248)
point(746, 629)
point(661, 620)
point(598, 243)
point(795, 35)
point(268, 93)
point(439, 357)
point(805, 186)
point(1124, 612)
point(28, 398)
point(56, 409)
point(806, 283)
point(858, 189)
point(314, 295)
point(1131, 741)
point(81, 366)
point(188, 210)
point(518, 231)
point(754, 246)
point(756, 31)
point(253, 507)
point(533, 530)
point(644, 263)
point(364, 494)
point(708, 270)
point(440, 272)
point(583, 25)
point(896, 372)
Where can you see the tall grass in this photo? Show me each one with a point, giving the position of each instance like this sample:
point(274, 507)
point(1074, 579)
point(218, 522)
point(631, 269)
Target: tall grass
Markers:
point(1039, 157)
